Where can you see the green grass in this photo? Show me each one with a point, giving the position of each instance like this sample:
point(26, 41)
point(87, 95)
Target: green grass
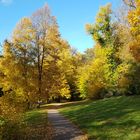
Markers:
point(35, 117)
point(34, 126)
point(108, 119)
point(37, 126)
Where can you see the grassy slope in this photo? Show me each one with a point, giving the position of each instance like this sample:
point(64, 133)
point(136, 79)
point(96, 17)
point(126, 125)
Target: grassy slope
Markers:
point(109, 119)
point(37, 125)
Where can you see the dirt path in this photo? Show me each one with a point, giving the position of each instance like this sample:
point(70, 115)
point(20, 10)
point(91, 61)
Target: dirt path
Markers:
point(63, 128)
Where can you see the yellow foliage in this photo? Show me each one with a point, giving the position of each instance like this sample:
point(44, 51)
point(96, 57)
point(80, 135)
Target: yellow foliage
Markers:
point(134, 21)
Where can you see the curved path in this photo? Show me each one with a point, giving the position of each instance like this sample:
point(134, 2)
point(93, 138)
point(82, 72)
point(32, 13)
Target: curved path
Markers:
point(63, 128)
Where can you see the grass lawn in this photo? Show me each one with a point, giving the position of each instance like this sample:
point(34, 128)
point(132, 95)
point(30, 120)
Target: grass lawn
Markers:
point(108, 119)
point(37, 127)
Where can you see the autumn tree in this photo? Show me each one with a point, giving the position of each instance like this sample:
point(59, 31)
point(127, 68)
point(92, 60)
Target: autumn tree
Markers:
point(102, 33)
point(12, 101)
point(73, 60)
point(35, 54)
point(130, 3)
point(134, 24)
point(134, 21)
point(109, 72)
point(58, 49)
point(22, 49)
point(41, 22)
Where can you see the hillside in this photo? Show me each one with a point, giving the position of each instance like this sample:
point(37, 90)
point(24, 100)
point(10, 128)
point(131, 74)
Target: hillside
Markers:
point(113, 118)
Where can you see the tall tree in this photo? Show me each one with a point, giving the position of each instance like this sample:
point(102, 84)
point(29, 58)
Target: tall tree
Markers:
point(134, 21)
point(35, 52)
point(22, 49)
point(42, 22)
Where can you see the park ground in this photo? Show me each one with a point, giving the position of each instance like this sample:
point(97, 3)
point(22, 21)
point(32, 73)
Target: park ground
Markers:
point(116, 118)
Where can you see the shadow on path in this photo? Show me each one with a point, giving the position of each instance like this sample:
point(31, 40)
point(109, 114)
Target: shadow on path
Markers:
point(63, 128)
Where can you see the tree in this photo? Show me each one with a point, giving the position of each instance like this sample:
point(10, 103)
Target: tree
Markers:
point(134, 24)
point(41, 22)
point(106, 49)
point(35, 54)
point(101, 31)
point(57, 85)
point(130, 3)
point(134, 21)
point(111, 69)
point(48, 45)
point(22, 38)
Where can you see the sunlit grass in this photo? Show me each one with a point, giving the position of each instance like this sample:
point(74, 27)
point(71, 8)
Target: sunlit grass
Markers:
point(108, 119)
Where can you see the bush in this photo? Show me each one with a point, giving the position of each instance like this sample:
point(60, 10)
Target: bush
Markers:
point(10, 121)
point(11, 130)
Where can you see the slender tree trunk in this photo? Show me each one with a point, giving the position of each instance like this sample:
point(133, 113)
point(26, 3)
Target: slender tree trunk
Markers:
point(26, 79)
point(40, 71)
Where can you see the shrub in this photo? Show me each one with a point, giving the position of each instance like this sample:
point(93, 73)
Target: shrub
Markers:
point(10, 121)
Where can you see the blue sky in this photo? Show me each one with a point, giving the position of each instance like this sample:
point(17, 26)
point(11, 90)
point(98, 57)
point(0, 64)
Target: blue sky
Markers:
point(72, 15)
